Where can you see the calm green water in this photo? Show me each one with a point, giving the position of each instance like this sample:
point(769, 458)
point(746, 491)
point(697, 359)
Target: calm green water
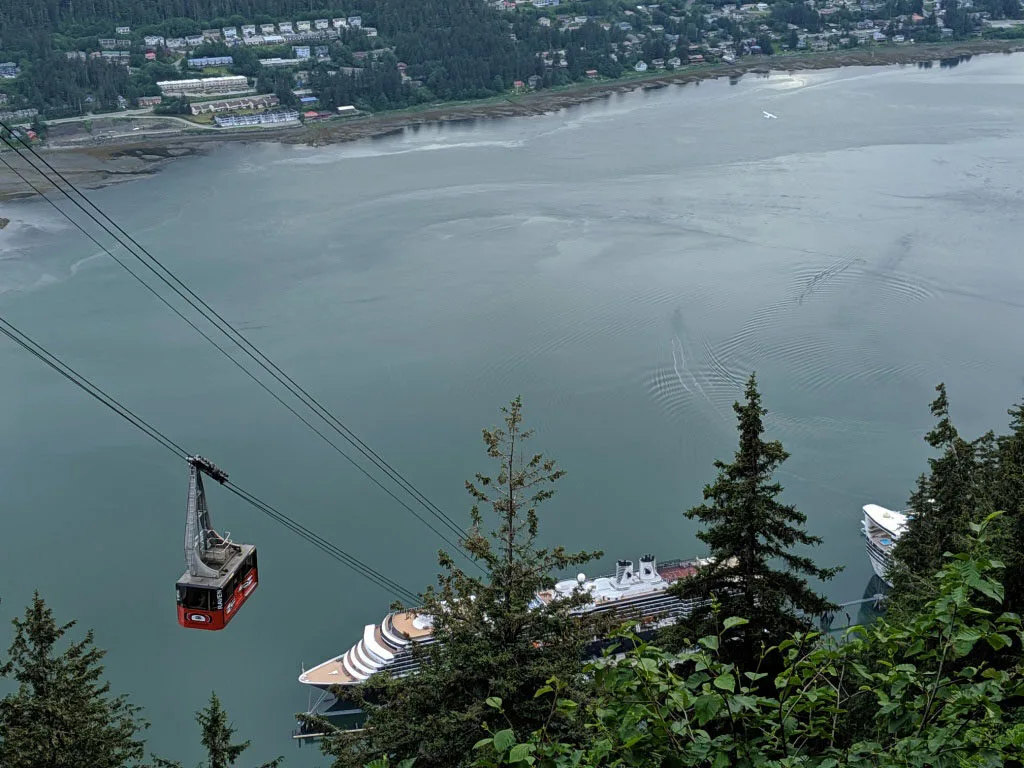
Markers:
point(623, 265)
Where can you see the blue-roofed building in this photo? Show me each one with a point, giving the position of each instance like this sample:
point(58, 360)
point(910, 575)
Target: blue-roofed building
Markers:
point(308, 99)
point(301, 51)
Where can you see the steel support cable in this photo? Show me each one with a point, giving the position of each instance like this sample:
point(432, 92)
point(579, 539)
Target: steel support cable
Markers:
point(454, 544)
point(394, 587)
point(52, 361)
point(236, 337)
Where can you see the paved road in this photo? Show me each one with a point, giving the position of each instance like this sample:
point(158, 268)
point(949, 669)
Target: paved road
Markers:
point(134, 114)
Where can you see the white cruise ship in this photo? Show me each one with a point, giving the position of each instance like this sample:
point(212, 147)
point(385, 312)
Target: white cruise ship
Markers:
point(639, 594)
point(882, 528)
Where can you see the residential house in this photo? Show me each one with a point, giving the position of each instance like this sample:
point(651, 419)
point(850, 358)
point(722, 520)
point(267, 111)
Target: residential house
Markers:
point(153, 41)
point(655, 28)
point(193, 40)
point(211, 61)
point(370, 31)
point(303, 26)
point(230, 33)
point(233, 121)
point(322, 52)
point(697, 59)
point(641, 66)
point(255, 40)
point(20, 114)
point(176, 43)
point(212, 34)
point(544, 21)
point(203, 85)
point(625, 26)
point(674, 63)
point(898, 38)
point(123, 43)
point(321, 24)
point(279, 62)
point(533, 81)
point(544, 3)
point(658, 63)
point(150, 55)
point(339, 23)
point(149, 101)
point(519, 85)
point(123, 30)
point(9, 70)
point(248, 30)
point(267, 29)
point(285, 28)
point(108, 44)
point(355, 21)
point(273, 40)
point(301, 51)
point(76, 55)
point(591, 73)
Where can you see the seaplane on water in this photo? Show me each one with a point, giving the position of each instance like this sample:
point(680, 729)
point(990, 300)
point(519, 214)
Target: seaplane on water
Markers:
point(769, 115)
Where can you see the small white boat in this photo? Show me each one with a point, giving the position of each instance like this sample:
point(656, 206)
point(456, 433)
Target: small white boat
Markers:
point(882, 528)
point(769, 115)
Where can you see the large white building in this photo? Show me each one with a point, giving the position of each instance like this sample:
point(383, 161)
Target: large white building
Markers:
point(204, 85)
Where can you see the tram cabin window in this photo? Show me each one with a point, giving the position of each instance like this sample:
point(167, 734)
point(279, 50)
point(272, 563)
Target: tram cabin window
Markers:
point(197, 598)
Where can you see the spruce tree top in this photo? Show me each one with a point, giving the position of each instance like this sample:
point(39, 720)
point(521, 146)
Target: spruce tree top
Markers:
point(751, 535)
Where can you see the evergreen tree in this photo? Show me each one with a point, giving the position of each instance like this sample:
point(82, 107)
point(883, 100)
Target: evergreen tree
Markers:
point(1009, 498)
point(217, 732)
point(62, 714)
point(941, 508)
point(748, 530)
point(495, 642)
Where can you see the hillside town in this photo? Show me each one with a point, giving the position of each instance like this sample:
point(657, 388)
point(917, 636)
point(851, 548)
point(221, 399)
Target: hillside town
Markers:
point(247, 72)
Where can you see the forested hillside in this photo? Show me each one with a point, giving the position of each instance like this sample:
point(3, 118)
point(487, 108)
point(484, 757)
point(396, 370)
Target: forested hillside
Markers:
point(67, 58)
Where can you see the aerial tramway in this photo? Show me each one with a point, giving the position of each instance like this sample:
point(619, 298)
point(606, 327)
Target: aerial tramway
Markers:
point(220, 574)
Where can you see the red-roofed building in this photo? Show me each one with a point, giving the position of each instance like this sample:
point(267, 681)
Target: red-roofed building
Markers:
point(519, 85)
point(592, 74)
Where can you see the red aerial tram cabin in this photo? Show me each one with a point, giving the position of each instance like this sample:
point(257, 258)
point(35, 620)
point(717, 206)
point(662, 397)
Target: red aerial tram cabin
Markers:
point(220, 574)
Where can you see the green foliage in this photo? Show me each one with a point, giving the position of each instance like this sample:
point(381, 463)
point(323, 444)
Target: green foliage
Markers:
point(62, 714)
point(965, 482)
point(216, 738)
point(493, 649)
point(748, 530)
point(174, 105)
point(923, 709)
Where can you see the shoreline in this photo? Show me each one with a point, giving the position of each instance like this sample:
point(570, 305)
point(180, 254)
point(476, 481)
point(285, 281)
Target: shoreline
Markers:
point(126, 158)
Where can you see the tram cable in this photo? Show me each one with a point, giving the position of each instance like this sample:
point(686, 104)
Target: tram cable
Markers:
point(228, 355)
point(222, 325)
point(52, 361)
